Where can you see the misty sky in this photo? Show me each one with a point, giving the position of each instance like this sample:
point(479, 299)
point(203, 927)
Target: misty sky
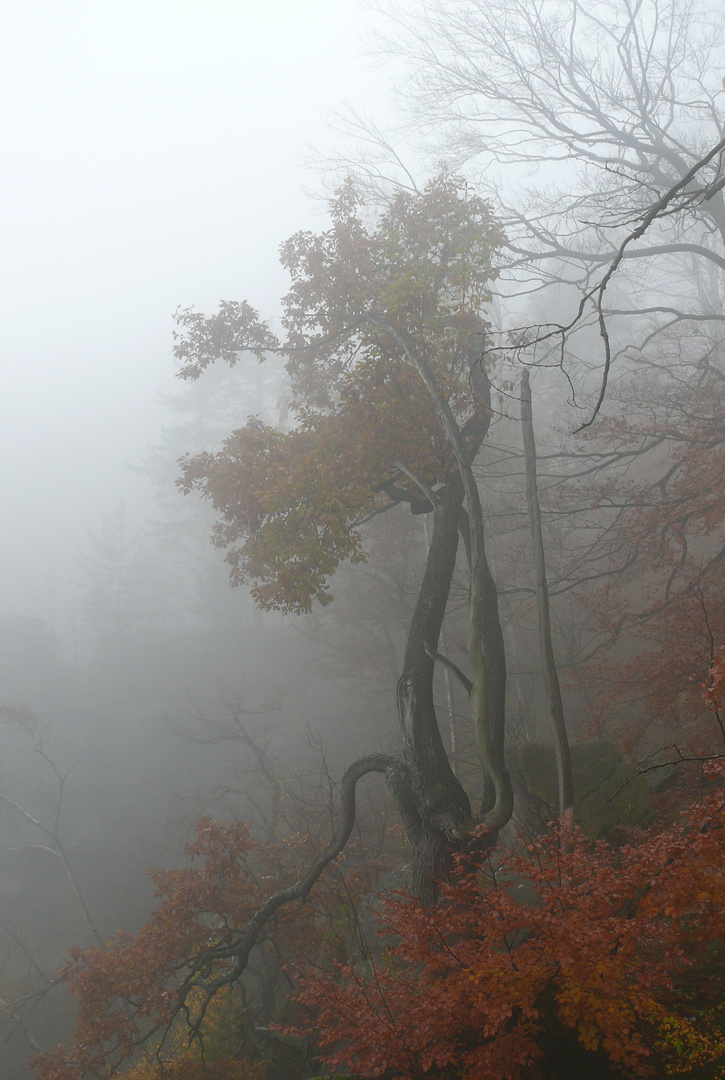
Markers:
point(150, 158)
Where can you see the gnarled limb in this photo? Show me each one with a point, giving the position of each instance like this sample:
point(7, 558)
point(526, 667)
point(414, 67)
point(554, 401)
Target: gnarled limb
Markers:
point(237, 947)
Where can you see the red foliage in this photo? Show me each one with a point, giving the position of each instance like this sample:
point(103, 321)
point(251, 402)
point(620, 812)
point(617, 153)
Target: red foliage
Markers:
point(652, 584)
point(615, 951)
point(141, 983)
point(131, 985)
point(715, 691)
point(597, 943)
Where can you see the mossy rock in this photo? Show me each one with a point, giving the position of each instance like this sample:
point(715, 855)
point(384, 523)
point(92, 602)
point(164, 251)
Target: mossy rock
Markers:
point(609, 796)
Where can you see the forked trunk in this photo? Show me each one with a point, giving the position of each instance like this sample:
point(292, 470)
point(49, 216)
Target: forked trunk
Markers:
point(442, 811)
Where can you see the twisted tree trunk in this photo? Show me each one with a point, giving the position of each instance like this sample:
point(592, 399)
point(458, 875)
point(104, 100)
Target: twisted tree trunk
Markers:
point(443, 810)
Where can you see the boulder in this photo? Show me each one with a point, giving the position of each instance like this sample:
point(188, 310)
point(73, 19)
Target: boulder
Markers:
point(609, 795)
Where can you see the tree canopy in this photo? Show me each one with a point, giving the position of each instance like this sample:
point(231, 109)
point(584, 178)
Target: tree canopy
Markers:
point(366, 433)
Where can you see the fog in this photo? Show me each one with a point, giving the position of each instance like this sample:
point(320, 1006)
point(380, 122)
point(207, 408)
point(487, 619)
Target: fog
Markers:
point(156, 156)
point(150, 159)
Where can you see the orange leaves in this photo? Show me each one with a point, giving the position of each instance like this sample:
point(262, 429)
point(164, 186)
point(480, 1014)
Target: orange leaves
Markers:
point(140, 983)
point(177, 973)
point(661, 508)
point(288, 505)
point(486, 981)
point(615, 953)
point(715, 689)
point(367, 432)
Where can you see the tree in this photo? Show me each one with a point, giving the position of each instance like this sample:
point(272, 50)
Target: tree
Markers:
point(562, 962)
point(40, 820)
point(649, 490)
point(548, 662)
point(391, 408)
point(384, 334)
point(617, 109)
point(617, 106)
point(122, 591)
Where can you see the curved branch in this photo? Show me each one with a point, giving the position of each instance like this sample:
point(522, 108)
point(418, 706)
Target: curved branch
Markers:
point(59, 850)
point(417, 480)
point(240, 947)
point(655, 211)
point(463, 679)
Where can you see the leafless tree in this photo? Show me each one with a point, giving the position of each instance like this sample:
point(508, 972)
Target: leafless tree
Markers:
point(613, 112)
point(36, 984)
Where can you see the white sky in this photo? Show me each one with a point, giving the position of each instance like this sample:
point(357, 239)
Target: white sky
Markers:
point(148, 159)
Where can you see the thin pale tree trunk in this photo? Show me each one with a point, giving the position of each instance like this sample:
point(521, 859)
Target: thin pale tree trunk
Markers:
point(556, 707)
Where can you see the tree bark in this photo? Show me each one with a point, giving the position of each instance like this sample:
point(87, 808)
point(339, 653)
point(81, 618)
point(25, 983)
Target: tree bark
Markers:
point(556, 707)
point(486, 646)
point(442, 805)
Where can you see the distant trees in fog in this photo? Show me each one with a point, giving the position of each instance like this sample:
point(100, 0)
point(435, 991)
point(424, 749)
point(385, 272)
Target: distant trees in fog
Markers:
point(418, 324)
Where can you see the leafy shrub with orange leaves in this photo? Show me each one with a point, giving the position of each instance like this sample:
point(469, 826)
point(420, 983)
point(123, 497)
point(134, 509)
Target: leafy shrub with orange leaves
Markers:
point(715, 690)
point(558, 960)
point(152, 982)
point(610, 958)
point(188, 1069)
point(173, 975)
